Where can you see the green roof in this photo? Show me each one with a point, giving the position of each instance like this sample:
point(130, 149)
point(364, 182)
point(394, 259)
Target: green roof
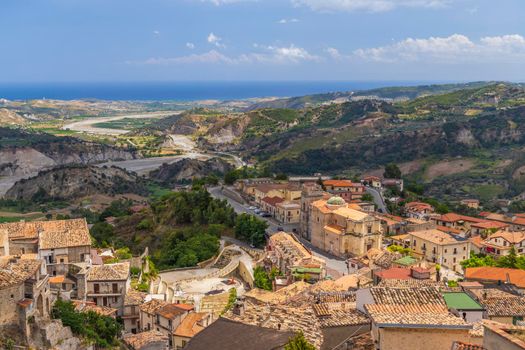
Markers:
point(461, 301)
point(306, 270)
point(406, 261)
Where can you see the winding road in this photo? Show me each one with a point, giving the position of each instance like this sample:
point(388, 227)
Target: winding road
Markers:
point(145, 165)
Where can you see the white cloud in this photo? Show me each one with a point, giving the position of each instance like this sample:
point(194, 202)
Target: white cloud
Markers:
point(156, 33)
point(267, 55)
point(367, 5)
point(225, 2)
point(452, 49)
point(190, 46)
point(288, 20)
point(334, 53)
point(215, 40)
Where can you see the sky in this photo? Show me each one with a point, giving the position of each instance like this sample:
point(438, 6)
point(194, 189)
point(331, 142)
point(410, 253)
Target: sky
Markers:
point(255, 40)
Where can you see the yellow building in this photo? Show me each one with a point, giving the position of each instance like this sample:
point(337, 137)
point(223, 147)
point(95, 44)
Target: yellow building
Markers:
point(288, 212)
point(440, 247)
point(286, 191)
point(342, 229)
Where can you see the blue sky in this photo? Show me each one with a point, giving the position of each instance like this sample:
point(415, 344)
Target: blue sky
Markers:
point(181, 40)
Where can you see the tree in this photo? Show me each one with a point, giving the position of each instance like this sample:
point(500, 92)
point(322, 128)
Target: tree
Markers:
point(298, 342)
point(281, 177)
point(392, 171)
point(103, 234)
point(261, 278)
point(367, 197)
point(249, 228)
point(97, 329)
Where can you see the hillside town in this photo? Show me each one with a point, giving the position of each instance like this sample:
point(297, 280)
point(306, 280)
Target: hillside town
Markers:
point(335, 272)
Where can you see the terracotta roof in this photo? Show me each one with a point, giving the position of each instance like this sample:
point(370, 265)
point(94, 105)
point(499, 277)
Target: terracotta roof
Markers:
point(70, 233)
point(414, 315)
point(407, 296)
point(265, 188)
point(189, 326)
point(457, 345)
point(186, 307)
point(170, 311)
point(143, 339)
point(338, 183)
point(338, 315)
point(17, 272)
point(152, 306)
point(495, 274)
point(453, 217)
point(272, 200)
point(408, 283)
point(477, 241)
point(445, 229)
point(336, 297)
point(90, 306)
point(109, 272)
point(398, 273)
point(53, 234)
point(511, 237)
point(418, 206)
point(489, 225)
point(437, 237)
point(134, 297)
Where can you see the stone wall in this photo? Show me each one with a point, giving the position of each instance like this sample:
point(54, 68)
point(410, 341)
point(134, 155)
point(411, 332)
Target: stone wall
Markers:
point(8, 304)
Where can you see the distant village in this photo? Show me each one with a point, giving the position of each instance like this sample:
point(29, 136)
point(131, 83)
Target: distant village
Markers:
point(343, 274)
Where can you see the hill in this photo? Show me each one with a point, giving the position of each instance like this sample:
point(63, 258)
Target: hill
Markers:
point(8, 117)
point(187, 169)
point(74, 182)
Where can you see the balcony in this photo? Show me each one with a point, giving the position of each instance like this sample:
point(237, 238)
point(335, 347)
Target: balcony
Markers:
point(105, 292)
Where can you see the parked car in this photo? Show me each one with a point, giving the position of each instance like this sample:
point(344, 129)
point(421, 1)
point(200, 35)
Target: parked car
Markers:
point(265, 214)
point(280, 228)
point(257, 211)
point(252, 208)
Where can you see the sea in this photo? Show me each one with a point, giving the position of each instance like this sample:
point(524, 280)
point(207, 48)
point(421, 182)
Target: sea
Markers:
point(185, 91)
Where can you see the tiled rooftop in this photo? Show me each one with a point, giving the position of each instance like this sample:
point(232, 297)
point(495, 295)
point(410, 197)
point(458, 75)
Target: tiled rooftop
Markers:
point(437, 237)
point(89, 306)
point(409, 283)
point(140, 340)
point(170, 311)
point(339, 315)
point(190, 325)
point(499, 303)
point(152, 306)
point(407, 296)
point(53, 234)
point(109, 272)
point(495, 274)
point(134, 297)
point(17, 272)
point(284, 318)
point(414, 315)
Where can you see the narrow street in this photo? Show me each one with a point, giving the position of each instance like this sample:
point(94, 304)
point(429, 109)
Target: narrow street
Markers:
point(378, 199)
point(335, 265)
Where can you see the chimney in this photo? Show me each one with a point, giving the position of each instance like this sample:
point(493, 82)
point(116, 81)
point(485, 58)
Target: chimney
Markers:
point(239, 307)
point(507, 278)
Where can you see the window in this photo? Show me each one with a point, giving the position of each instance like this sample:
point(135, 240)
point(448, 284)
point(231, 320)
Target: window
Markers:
point(454, 260)
point(133, 321)
point(414, 243)
point(464, 248)
point(96, 286)
point(445, 250)
point(445, 260)
point(115, 288)
point(455, 250)
point(369, 229)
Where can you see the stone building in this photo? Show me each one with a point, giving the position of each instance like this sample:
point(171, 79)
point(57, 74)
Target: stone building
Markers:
point(58, 242)
point(288, 212)
point(342, 229)
point(345, 189)
point(24, 292)
point(287, 253)
point(107, 285)
point(310, 193)
point(440, 247)
point(131, 314)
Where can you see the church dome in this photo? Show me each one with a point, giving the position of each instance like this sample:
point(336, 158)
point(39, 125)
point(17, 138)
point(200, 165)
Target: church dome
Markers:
point(336, 201)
